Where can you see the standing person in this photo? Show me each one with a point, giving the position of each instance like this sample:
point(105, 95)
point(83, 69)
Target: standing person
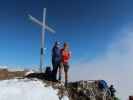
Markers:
point(56, 59)
point(112, 90)
point(65, 56)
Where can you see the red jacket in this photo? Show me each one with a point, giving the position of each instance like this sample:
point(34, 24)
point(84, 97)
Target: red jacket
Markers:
point(65, 56)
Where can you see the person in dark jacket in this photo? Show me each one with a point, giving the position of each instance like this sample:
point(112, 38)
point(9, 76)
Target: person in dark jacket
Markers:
point(56, 59)
point(112, 91)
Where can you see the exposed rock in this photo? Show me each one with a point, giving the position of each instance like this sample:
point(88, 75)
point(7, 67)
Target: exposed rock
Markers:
point(87, 90)
point(9, 74)
point(81, 90)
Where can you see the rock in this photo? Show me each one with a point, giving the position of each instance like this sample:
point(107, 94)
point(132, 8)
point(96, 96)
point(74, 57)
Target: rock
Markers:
point(80, 90)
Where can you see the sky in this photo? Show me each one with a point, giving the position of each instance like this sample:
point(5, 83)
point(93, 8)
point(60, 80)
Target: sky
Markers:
point(99, 33)
point(87, 26)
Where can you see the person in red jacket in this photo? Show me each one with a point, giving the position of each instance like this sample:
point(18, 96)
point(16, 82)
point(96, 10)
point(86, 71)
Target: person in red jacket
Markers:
point(65, 56)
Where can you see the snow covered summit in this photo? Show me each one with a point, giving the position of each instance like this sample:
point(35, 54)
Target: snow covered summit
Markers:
point(26, 89)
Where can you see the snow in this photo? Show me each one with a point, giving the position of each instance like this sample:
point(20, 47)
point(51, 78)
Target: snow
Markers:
point(65, 98)
point(26, 89)
point(29, 72)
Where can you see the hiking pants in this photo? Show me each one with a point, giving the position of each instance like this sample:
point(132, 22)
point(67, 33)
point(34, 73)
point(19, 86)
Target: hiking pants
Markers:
point(56, 65)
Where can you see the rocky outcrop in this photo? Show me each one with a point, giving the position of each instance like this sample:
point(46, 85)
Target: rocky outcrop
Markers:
point(87, 90)
point(7, 74)
point(81, 90)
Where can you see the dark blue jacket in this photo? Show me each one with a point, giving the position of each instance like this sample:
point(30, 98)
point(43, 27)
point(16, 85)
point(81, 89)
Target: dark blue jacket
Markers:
point(56, 54)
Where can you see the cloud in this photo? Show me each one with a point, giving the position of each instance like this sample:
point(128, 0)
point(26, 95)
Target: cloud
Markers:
point(115, 65)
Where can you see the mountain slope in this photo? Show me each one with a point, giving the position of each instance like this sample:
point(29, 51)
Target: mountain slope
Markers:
point(27, 89)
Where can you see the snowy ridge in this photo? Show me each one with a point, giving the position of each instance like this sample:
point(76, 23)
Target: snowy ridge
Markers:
point(26, 89)
point(20, 68)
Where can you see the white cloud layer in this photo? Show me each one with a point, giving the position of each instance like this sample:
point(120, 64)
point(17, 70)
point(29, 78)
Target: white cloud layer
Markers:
point(116, 66)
